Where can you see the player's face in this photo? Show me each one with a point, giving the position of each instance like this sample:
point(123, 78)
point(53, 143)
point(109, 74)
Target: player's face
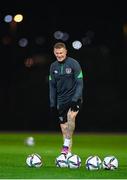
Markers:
point(60, 54)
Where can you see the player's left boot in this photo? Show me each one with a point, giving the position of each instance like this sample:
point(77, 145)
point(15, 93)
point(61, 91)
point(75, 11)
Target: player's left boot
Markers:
point(65, 150)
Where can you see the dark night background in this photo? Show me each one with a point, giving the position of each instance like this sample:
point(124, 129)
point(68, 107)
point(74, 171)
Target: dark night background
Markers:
point(24, 98)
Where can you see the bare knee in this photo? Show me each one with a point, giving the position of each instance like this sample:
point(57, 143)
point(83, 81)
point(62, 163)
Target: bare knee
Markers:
point(71, 115)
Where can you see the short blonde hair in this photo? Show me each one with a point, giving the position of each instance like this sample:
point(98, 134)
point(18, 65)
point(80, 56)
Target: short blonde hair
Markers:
point(59, 45)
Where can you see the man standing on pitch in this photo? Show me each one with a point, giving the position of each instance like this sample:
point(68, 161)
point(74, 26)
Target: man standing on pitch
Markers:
point(66, 86)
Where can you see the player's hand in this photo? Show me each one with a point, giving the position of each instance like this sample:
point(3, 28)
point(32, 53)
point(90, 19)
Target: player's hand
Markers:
point(74, 106)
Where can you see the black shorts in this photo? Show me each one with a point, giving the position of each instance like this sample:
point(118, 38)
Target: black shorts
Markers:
point(63, 110)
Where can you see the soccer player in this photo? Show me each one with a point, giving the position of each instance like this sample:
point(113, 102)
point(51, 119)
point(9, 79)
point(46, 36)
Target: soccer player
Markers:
point(65, 86)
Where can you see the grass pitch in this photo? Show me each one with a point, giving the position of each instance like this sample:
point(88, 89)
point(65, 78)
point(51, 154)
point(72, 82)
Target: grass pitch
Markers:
point(13, 153)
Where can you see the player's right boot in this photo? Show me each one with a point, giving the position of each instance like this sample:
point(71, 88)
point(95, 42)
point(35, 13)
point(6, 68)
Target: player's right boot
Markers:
point(65, 150)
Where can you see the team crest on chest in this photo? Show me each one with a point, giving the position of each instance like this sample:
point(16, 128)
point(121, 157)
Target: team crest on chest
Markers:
point(68, 70)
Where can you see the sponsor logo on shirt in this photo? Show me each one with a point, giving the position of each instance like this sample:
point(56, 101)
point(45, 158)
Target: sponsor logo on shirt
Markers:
point(55, 71)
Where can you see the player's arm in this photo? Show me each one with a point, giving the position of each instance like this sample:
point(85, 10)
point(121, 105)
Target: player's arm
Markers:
point(52, 88)
point(79, 81)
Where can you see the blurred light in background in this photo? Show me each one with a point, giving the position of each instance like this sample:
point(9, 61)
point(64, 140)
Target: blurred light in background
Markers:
point(40, 40)
point(125, 29)
point(76, 44)
point(86, 41)
point(23, 42)
point(65, 36)
point(18, 18)
point(59, 35)
point(6, 40)
point(8, 18)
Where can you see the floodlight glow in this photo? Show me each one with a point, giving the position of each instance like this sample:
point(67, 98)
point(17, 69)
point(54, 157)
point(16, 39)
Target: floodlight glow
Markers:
point(8, 18)
point(58, 35)
point(77, 44)
point(18, 18)
point(65, 36)
point(23, 42)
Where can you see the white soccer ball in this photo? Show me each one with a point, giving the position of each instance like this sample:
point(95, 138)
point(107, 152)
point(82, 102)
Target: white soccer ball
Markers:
point(34, 160)
point(74, 161)
point(110, 163)
point(61, 161)
point(93, 163)
point(30, 141)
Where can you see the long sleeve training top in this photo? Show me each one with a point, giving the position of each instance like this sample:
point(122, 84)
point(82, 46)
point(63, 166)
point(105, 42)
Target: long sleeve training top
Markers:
point(65, 82)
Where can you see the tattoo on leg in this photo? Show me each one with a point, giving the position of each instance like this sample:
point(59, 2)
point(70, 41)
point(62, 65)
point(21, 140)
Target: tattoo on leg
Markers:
point(71, 127)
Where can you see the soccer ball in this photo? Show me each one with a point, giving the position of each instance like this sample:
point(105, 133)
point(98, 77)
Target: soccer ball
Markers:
point(110, 163)
point(93, 163)
point(29, 141)
point(61, 161)
point(74, 161)
point(34, 160)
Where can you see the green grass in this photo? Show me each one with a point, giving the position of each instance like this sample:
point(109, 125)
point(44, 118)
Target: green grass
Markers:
point(13, 153)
